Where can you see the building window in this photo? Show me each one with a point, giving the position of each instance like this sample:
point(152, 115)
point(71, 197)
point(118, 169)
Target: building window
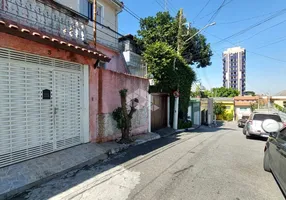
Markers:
point(99, 16)
point(90, 10)
point(86, 8)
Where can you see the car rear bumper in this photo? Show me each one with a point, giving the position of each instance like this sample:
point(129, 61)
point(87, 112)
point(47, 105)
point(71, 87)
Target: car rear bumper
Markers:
point(258, 134)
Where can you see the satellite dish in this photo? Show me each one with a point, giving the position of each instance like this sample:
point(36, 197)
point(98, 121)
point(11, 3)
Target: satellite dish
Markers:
point(270, 126)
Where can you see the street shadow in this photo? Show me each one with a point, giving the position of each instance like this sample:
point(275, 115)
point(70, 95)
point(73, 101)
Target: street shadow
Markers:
point(263, 139)
point(68, 186)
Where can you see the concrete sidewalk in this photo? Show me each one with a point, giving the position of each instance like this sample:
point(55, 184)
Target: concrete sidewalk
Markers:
point(17, 178)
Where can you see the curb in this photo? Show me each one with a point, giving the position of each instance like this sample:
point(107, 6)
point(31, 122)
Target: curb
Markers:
point(126, 146)
point(99, 158)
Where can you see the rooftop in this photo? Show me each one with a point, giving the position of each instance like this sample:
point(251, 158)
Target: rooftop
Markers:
point(234, 50)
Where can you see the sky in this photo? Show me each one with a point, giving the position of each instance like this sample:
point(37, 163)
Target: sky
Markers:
point(265, 44)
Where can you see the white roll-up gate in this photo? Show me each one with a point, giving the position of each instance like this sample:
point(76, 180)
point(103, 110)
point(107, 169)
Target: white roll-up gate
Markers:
point(40, 105)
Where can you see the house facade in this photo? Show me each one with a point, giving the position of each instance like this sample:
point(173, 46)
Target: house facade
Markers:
point(58, 90)
point(45, 68)
point(228, 104)
point(106, 29)
point(243, 105)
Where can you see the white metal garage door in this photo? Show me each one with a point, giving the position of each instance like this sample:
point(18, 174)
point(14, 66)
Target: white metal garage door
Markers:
point(31, 126)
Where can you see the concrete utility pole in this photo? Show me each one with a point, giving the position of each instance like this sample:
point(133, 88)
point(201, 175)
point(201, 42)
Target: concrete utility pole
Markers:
point(94, 21)
point(179, 41)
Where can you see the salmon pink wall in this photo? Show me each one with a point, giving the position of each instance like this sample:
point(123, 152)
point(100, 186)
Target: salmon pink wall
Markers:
point(117, 62)
point(109, 85)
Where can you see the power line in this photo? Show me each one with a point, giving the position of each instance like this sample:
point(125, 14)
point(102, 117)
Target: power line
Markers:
point(277, 41)
point(161, 4)
point(249, 51)
point(253, 26)
point(132, 13)
point(263, 31)
point(217, 11)
point(201, 10)
point(242, 20)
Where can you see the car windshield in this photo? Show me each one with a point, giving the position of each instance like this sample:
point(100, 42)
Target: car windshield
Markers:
point(262, 117)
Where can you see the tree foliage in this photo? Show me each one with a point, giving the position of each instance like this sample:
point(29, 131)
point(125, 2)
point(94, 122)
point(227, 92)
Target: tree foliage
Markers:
point(219, 108)
point(221, 92)
point(160, 57)
point(164, 28)
point(249, 93)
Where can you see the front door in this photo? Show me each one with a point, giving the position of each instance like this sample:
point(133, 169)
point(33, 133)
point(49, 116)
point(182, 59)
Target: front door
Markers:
point(67, 108)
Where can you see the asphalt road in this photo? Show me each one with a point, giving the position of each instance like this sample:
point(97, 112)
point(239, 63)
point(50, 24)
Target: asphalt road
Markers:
point(211, 164)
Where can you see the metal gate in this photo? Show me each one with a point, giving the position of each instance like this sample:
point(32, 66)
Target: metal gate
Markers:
point(32, 122)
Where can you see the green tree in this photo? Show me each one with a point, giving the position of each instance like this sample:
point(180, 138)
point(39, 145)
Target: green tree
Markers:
point(164, 28)
point(123, 117)
point(160, 57)
point(224, 92)
point(219, 108)
point(249, 93)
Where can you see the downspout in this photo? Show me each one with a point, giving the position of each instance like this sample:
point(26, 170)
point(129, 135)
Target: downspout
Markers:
point(94, 21)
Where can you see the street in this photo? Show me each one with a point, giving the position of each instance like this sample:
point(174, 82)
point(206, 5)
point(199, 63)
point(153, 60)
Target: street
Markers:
point(210, 163)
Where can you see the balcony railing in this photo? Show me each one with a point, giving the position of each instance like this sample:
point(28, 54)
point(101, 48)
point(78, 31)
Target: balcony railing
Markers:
point(135, 64)
point(46, 16)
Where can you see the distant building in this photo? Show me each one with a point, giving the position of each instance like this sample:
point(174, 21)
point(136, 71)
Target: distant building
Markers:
point(234, 69)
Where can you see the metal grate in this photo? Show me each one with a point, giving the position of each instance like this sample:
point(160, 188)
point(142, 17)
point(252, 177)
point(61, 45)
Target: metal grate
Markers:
point(28, 125)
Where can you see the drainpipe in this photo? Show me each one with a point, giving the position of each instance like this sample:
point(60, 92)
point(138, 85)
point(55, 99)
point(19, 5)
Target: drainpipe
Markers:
point(94, 21)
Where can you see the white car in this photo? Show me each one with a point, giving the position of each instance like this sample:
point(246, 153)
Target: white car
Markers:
point(253, 124)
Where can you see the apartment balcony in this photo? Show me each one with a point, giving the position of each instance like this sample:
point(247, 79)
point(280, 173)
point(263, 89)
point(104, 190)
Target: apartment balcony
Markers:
point(45, 17)
point(135, 64)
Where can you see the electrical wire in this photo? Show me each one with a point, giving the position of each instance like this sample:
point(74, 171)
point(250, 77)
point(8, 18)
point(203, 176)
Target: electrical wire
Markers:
point(279, 13)
point(161, 4)
point(132, 13)
point(246, 19)
point(216, 10)
point(277, 41)
point(262, 31)
point(248, 50)
point(203, 8)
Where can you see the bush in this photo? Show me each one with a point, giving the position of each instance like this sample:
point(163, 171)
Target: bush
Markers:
point(228, 116)
point(184, 124)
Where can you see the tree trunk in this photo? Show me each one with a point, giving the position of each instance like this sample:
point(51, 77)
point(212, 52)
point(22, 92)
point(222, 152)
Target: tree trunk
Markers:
point(125, 130)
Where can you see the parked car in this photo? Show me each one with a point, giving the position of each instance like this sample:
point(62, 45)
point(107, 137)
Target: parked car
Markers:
point(275, 157)
point(253, 124)
point(241, 122)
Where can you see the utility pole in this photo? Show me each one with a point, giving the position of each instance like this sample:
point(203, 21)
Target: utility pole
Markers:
point(189, 27)
point(94, 21)
point(179, 41)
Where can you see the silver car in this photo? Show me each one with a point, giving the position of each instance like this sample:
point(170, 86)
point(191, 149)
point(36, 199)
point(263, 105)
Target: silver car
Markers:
point(253, 125)
point(275, 157)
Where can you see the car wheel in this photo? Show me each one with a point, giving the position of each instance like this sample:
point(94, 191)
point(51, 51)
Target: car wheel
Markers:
point(266, 162)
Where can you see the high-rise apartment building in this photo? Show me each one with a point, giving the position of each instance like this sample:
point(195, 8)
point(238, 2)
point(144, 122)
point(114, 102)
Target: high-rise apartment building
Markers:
point(234, 69)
